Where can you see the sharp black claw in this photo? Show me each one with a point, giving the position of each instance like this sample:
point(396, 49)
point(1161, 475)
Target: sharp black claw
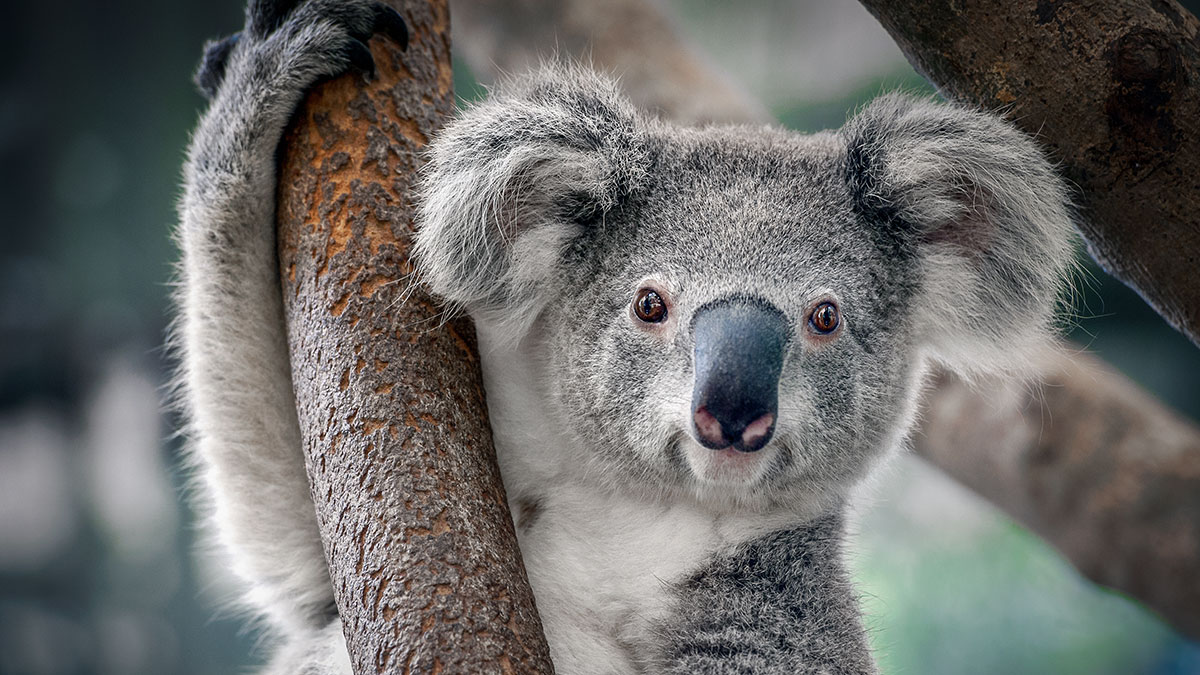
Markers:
point(389, 22)
point(360, 57)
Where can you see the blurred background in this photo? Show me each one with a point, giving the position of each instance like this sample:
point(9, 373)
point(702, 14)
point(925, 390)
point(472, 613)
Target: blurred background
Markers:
point(97, 540)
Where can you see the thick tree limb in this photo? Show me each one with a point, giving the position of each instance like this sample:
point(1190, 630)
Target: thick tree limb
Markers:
point(1086, 460)
point(417, 533)
point(1123, 506)
point(1113, 89)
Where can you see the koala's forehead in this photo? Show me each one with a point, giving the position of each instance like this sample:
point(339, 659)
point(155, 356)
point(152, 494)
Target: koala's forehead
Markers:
point(726, 199)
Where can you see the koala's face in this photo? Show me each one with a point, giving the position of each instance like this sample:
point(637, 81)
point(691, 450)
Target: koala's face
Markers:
point(723, 329)
point(740, 313)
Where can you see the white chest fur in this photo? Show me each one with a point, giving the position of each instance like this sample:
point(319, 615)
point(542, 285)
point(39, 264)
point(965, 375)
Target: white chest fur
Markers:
point(602, 562)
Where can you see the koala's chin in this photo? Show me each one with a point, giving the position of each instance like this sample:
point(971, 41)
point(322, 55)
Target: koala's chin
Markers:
point(780, 474)
point(729, 467)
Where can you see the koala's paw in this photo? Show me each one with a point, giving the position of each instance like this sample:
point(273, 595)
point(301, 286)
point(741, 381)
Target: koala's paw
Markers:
point(301, 42)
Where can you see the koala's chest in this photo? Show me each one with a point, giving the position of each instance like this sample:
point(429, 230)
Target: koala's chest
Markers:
point(606, 571)
point(607, 567)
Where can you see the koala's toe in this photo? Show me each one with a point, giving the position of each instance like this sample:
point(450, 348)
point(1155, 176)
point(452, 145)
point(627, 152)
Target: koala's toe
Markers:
point(389, 22)
point(211, 72)
point(359, 56)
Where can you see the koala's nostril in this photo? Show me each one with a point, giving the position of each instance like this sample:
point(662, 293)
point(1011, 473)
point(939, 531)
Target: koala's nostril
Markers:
point(721, 432)
point(757, 433)
point(709, 429)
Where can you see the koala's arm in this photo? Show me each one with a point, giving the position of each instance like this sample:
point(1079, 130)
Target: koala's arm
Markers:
point(780, 604)
point(235, 381)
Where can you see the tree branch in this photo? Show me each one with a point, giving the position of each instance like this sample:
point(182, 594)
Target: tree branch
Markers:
point(1124, 507)
point(416, 528)
point(658, 69)
point(1097, 467)
point(1113, 89)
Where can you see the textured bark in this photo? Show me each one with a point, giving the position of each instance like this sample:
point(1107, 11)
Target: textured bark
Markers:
point(1106, 474)
point(1119, 501)
point(1113, 89)
point(417, 532)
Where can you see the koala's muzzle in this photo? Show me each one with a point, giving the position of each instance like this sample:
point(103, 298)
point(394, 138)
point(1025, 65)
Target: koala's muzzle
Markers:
point(740, 345)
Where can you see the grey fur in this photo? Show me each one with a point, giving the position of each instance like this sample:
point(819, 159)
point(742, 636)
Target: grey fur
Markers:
point(526, 168)
point(780, 604)
point(941, 233)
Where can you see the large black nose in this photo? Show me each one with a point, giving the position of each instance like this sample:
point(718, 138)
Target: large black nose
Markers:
point(740, 345)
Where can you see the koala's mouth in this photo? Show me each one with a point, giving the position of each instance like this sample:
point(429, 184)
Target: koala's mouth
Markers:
point(728, 466)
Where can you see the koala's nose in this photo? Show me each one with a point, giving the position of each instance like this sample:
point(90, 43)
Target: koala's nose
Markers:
point(740, 345)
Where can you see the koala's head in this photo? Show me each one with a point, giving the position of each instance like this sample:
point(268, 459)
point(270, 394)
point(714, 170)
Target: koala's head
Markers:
point(741, 313)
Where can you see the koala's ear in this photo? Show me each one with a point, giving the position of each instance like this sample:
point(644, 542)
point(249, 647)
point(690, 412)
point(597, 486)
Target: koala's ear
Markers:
point(975, 206)
point(515, 180)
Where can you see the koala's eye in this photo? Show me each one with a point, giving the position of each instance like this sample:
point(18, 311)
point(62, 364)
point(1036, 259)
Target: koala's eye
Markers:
point(824, 319)
point(649, 306)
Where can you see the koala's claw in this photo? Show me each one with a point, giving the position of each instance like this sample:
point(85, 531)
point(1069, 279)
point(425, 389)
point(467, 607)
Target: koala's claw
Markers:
point(389, 22)
point(278, 22)
point(267, 16)
point(360, 57)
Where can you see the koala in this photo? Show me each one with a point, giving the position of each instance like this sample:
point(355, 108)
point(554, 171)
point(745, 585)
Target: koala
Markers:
point(696, 342)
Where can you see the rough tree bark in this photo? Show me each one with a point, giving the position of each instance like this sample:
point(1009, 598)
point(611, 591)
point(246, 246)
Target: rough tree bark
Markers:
point(417, 533)
point(1113, 89)
point(1133, 495)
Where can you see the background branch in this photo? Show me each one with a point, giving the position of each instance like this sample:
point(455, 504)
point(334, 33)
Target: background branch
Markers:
point(1091, 463)
point(1123, 506)
point(659, 70)
point(1113, 90)
point(416, 528)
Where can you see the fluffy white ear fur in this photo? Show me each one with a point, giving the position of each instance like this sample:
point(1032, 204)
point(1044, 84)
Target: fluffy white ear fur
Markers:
point(985, 217)
point(514, 180)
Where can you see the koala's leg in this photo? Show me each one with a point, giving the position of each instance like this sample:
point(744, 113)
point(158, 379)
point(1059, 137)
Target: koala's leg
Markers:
point(235, 378)
point(781, 604)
